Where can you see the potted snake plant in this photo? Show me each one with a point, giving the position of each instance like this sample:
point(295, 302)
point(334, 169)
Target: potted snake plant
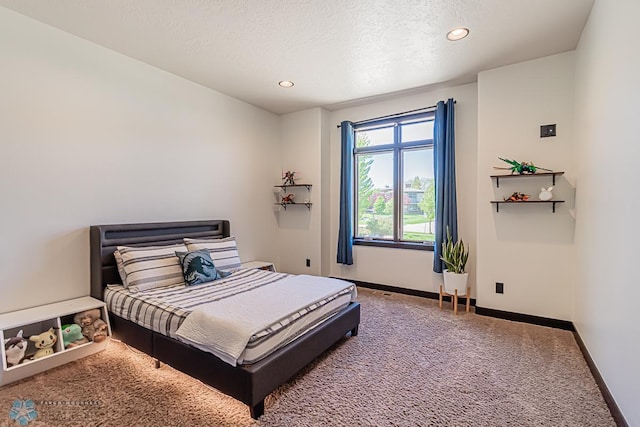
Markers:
point(455, 256)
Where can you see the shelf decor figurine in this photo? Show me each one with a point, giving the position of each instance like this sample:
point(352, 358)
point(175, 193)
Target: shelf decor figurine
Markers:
point(517, 197)
point(521, 167)
point(545, 194)
point(289, 178)
point(287, 199)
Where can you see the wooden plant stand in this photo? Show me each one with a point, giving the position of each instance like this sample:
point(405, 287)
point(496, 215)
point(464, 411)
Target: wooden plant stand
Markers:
point(454, 299)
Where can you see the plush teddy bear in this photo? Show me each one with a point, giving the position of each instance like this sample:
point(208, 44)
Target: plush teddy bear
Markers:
point(93, 327)
point(44, 343)
point(15, 349)
point(72, 335)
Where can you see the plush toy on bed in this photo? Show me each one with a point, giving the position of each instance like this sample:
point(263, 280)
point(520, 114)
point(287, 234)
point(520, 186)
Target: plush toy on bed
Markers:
point(15, 349)
point(72, 335)
point(93, 327)
point(44, 343)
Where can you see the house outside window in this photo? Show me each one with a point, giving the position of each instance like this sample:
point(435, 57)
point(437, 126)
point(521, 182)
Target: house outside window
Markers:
point(394, 203)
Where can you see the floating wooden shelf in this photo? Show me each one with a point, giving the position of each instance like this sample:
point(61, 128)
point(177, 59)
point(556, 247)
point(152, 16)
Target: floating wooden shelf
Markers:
point(284, 205)
point(528, 175)
point(284, 187)
point(526, 202)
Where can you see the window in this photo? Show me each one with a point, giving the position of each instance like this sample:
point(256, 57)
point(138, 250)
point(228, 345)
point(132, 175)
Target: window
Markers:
point(394, 200)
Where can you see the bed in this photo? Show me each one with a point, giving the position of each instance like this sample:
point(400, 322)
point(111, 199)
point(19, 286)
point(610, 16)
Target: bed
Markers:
point(248, 383)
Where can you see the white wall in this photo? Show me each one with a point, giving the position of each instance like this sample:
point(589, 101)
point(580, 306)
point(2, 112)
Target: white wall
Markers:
point(92, 137)
point(298, 227)
point(607, 232)
point(411, 269)
point(528, 248)
point(325, 196)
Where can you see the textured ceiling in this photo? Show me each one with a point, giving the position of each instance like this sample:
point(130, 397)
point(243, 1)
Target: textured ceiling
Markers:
point(337, 52)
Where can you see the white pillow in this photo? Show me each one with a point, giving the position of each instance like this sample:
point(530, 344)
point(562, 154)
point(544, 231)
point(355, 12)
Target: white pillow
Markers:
point(151, 267)
point(224, 252)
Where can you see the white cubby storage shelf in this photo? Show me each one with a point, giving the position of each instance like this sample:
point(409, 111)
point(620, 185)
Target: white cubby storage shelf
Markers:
point(33, 321)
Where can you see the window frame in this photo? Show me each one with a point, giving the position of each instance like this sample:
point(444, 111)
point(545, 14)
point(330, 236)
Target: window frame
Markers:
point(397, 148)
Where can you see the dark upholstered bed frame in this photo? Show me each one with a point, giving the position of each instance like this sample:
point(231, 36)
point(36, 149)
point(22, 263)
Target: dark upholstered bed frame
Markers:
point(248, 383)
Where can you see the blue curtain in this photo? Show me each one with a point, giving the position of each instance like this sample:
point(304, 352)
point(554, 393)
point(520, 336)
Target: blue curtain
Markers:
point(345, 232)
point(445, 177)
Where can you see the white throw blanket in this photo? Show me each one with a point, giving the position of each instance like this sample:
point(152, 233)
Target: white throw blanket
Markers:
point(225, 327)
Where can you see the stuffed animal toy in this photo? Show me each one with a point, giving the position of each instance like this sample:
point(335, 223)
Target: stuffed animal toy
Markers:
point(15, 349)
point(100, 334)
point(93, 327)
point(44, 343)
point(72, 335)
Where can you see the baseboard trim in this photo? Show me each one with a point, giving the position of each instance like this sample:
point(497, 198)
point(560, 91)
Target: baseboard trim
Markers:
point(526, 318)
point(606, 394)
point(508, 315)
point(405, 291)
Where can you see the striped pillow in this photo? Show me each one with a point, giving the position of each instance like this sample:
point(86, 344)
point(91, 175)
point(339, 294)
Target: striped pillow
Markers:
point(151, 267)
point(224, 252)
point(123, 275)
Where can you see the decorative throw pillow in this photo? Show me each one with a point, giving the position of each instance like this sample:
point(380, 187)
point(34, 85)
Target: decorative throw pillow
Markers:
point(198, 267)
point(224, 252)
point(150, 267)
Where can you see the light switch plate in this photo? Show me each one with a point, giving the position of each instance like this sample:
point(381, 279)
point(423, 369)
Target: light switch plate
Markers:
point(547, 131)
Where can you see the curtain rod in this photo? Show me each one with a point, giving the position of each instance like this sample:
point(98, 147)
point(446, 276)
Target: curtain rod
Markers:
point(394, 115)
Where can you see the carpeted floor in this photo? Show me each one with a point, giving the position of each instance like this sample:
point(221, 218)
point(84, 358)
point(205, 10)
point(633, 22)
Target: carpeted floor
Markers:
point(411, 365)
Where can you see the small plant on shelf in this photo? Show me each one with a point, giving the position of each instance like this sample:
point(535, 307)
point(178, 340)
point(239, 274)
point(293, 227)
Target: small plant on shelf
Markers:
point(521, 168)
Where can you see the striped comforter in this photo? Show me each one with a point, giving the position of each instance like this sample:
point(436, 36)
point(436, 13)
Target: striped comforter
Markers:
point(230, 303)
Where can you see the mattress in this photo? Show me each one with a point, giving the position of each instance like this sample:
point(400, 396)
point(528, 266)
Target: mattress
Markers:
point(164, 310)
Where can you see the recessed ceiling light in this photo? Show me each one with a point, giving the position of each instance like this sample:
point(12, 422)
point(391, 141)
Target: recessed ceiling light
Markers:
point(286, 83)
point(457, 34)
